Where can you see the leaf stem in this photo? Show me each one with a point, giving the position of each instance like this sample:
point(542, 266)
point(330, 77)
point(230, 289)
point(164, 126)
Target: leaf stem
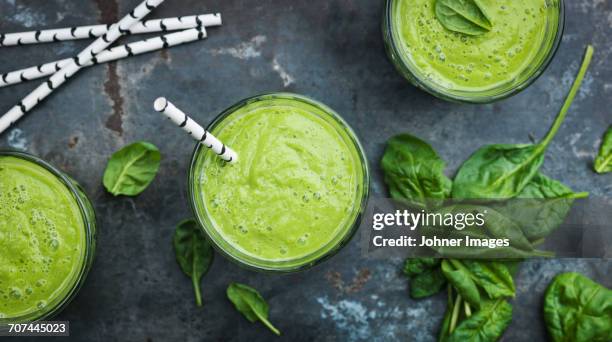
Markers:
point(468, 309)
point(543, 254)
point(266, 323)
point(579, 195)
point(588, 55)
point(196, 289)
point(601, 166)
point(455, 315)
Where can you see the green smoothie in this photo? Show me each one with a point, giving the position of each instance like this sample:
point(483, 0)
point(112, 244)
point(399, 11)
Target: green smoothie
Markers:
point(522, 35)
point(42, 239)
point(295, 192)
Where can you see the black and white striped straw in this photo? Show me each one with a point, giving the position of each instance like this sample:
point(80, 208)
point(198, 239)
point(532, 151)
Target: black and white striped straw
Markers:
point(61, 76)
point(95, 31)
point(195, 130)
point(118, 52)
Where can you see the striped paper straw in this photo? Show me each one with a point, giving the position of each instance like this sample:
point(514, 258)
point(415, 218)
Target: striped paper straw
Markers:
point(94, 31)
point(118, 52)
point(100, 44)
point(194, 129)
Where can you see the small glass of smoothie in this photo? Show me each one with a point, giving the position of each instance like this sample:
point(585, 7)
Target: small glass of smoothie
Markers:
point(297, 192)
point(481, 68)
point(47, 238)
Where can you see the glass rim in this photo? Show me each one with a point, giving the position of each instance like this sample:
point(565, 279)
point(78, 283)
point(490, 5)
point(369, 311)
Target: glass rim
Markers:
point(89, 226)
point(336, 246)
point(464, 96)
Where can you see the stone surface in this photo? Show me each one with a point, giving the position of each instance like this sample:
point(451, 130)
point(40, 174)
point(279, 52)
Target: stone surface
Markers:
point(329, 50)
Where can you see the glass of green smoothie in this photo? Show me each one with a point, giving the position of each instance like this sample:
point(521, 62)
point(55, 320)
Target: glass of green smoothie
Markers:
point(47, 238)
point(483, 68)
point(297, 192)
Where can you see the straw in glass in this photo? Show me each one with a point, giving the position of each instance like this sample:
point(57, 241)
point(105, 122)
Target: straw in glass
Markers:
point(194, 129)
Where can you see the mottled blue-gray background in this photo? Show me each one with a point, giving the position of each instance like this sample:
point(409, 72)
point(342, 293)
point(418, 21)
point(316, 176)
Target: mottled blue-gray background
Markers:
point(332, 51)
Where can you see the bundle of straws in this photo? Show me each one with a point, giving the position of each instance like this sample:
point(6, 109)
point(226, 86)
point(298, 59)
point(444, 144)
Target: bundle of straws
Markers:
point(189, 29)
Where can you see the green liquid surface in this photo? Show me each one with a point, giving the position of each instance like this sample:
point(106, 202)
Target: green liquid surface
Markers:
point(474, 63)
point(296, 189)
point(41, 239)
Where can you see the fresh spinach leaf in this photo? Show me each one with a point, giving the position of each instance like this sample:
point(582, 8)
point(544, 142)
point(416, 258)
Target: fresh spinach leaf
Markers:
point(462, 282)
point(541, 207)
point(498, 171)
point(413, 171)
point(503, 170)
point(492, 276)
point(473, 252)
point(578, 309)
point(468, 276)
point(512, 265)
point(416, 266)
point(131, 169)
point(501, 227)
point(426, 278)
point(459, 252)
point(542, 187)
point(486, 325)
point(496, 226)
point(463, 16)
point(427, 284)
point(603, 163)
point(193, 252)
point(250, 303)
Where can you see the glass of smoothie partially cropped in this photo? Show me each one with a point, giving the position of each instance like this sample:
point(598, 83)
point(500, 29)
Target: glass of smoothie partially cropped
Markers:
point(47, 238)
point(483, 68)
point(297, 192)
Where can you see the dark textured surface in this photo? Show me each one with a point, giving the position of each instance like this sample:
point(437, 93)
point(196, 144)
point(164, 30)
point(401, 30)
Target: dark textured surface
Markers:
point(332, 51)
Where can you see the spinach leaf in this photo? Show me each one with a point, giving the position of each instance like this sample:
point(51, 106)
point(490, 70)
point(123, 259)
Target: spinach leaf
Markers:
point(463, 16)
point(503, 171)
point(492, 276)
point(498, 171)
point(462, 282)
point(512, 265)
point(413, 171)
point(496, 226)
point(468, 276)
point(500, 226)
point(603, 163)
point(542, 186)
point(427, 284)
point(487, 324)
point(131, 169)
point(482, 252)
point(416, 266)
point(578, 309)
point(541, 207)
point(250, 303)
point(193, 252)
point(426, 278)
